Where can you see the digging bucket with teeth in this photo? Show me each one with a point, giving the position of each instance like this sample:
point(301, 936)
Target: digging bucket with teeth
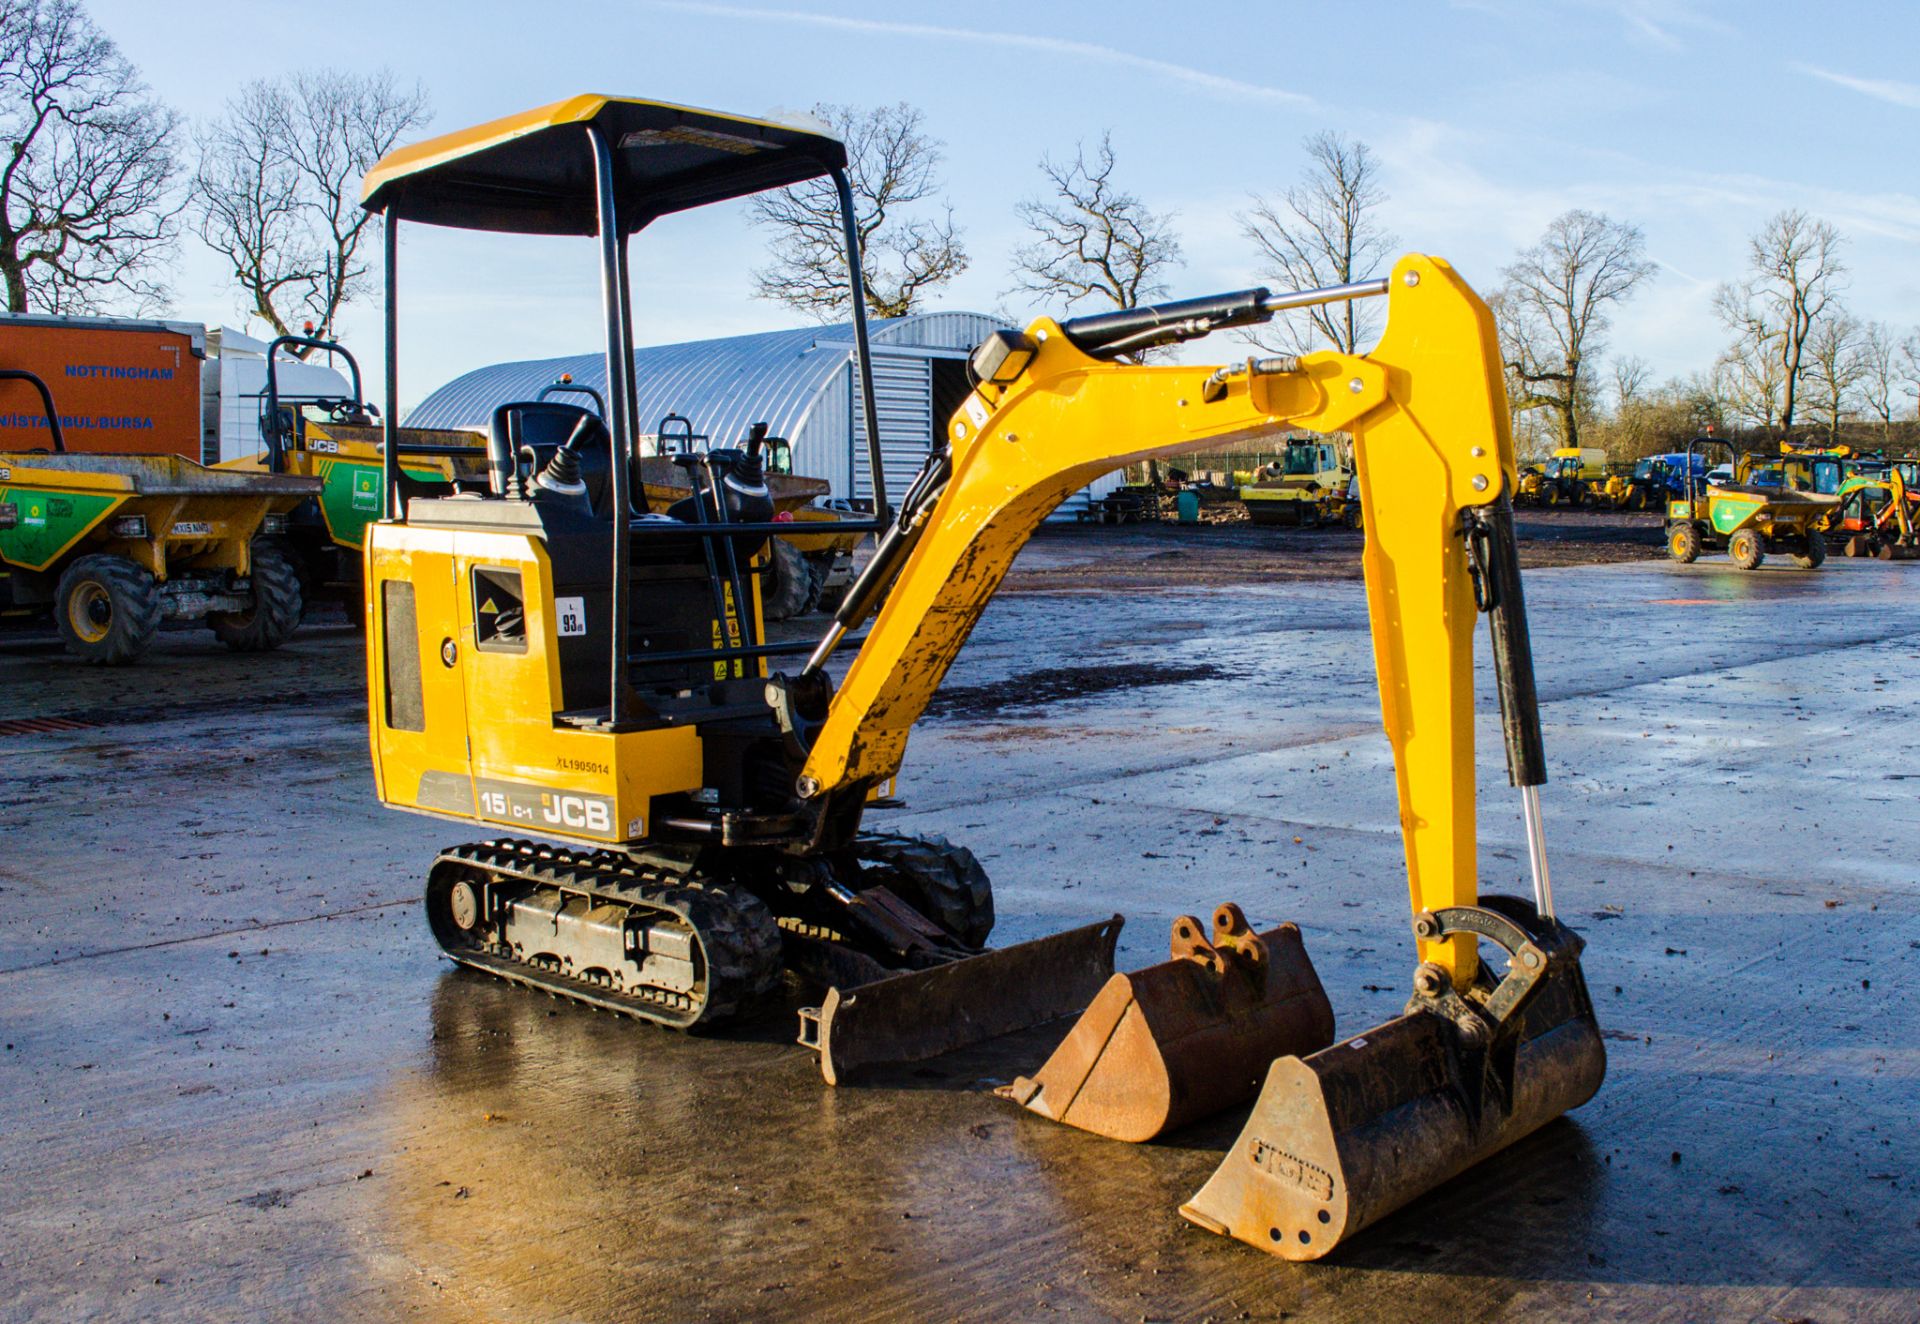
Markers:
point(1343, 1137)
point(1160, 1047)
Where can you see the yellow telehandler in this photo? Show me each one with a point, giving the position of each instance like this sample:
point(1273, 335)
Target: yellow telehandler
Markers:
point(586, 676)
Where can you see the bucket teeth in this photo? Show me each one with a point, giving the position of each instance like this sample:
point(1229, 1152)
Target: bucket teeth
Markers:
point(1164, 1046)
point(1343, 1137)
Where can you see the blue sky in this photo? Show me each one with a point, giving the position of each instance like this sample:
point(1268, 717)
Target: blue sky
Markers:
point(1694, 120)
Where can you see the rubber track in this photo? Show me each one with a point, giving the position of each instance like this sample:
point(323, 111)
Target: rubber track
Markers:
point(955, 888)
point(737, 933)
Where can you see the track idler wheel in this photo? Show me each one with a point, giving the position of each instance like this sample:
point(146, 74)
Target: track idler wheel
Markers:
point(1342, 1138)
point(1187, 1038)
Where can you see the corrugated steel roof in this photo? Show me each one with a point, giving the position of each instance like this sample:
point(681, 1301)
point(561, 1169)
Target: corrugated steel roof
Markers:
point(722, 385)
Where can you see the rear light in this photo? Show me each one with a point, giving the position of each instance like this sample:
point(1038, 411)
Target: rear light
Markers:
point(130, 526)
point(274, 524)
point(9, 514)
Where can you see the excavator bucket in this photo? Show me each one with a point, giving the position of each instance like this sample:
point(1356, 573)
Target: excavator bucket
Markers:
point(1178, 1041)
point(1342, 1138)
point(923, 1013)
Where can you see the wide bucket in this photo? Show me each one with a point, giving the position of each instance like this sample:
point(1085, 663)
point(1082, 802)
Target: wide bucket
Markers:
point(1175, 1042)
point(1342, 1138)
point(923, 1013)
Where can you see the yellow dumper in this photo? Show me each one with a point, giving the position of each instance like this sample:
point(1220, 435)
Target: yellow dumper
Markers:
point(116, 544)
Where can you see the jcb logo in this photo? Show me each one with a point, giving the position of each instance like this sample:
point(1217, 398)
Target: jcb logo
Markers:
point(576, 812)
point(323, 446)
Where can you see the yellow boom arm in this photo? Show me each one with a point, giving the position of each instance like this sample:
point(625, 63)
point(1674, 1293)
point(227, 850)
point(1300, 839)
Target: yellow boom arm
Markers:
point(1427, 411)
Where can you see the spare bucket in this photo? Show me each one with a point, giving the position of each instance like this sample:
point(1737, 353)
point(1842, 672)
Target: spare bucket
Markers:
point(1342, 1138)
point(1175, 1042)
point(919, 1014)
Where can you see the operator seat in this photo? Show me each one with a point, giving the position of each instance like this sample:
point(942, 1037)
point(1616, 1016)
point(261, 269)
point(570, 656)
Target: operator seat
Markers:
point(542, 427)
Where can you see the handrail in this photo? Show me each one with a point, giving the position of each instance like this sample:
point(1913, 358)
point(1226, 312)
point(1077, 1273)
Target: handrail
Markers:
point(46, 398)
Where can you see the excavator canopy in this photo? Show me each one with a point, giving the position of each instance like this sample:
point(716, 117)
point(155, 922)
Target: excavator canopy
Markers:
point(533, 173)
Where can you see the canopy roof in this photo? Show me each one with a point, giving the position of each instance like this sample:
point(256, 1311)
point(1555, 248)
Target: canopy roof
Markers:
point(532, 173)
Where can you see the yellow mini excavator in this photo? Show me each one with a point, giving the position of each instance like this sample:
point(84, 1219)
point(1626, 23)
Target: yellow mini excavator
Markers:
point(680, 821)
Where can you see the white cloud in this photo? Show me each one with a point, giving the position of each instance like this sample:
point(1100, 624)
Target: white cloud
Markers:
point(1217, 84)
point(1880, 89)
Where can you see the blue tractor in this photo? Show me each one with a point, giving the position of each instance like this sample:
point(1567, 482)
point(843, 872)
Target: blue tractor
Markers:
point(1658, 479)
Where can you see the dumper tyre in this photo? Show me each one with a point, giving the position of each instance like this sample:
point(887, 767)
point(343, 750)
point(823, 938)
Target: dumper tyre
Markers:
point(107, 609)
point(828, 599)
point(277, 605)
point(942, 881)
point(788, 586)
point(1747, 549)
point(1814, 553)
point(1683, 543)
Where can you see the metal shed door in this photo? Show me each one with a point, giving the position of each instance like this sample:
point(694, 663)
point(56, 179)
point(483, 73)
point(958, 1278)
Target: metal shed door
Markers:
point(903, 397)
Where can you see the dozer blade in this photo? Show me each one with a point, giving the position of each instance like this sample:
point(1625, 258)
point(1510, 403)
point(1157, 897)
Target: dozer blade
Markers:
point(924, 1013)
point(1178, 1041)
point(1342, 1138)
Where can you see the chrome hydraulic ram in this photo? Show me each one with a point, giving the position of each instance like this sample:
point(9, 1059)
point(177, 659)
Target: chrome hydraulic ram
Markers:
point(1495, 557)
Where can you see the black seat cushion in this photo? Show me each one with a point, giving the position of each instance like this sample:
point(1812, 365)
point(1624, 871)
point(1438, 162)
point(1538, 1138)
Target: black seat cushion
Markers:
point(544, 426)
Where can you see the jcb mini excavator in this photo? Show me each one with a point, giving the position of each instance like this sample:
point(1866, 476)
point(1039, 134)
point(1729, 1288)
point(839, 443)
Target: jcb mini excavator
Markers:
point(549, 657)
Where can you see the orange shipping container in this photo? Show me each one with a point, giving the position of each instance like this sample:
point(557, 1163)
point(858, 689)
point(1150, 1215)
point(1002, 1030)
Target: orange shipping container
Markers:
point(123, 387)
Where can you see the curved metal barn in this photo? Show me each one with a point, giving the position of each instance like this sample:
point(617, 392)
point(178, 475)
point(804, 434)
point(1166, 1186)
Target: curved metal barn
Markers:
point(798, 382)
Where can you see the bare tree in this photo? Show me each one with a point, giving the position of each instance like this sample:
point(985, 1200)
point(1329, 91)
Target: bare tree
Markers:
point(87, 216)
point(1749, 380)
point(1881, 375)
point(1322, 232)
point(1631, 378)
point(1091, 238)
point(1909, 363)
point(1794, 273)
point(1834, 369)
point(1534, 436)
point(1656, 419)
point(277, 190)
point(1559, 296)
point(891, 164)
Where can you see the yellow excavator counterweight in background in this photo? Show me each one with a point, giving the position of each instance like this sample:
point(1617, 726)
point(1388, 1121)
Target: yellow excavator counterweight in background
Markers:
point(550, 656)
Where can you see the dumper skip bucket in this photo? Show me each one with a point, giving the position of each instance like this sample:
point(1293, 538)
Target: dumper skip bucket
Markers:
point(1341, 1138)
point(1184, 1039)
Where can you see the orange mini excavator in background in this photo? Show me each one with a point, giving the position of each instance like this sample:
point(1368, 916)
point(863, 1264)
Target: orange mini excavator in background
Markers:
point(551, 659)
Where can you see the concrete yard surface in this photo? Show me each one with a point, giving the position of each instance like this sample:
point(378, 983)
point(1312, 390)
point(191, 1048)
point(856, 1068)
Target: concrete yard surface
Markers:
point(239, 1084)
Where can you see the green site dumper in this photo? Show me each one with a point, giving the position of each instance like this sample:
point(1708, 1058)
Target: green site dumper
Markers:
point(113, 545)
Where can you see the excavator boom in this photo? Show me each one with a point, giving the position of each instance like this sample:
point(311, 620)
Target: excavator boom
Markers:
point(1427, 413)
point(1343, 1133)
